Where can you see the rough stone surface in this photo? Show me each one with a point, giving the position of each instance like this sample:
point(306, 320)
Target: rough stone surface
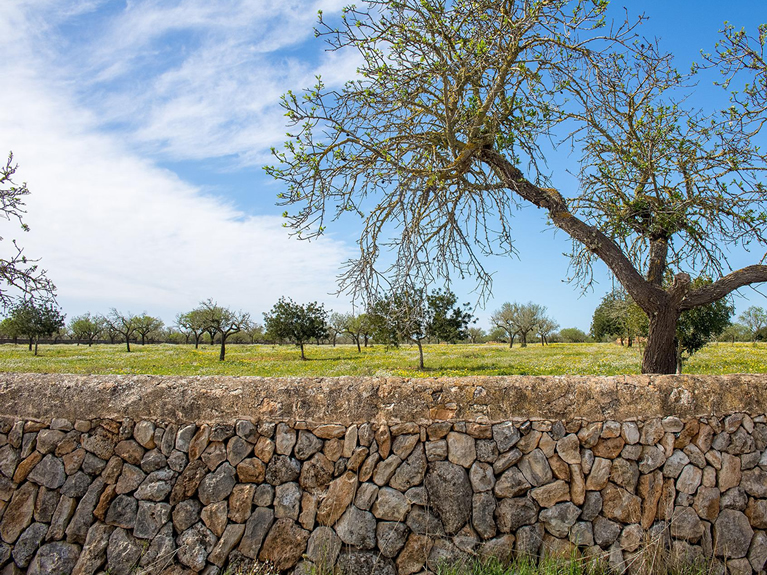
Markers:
point(450, 492)
point(732, 534)
point(284, 545)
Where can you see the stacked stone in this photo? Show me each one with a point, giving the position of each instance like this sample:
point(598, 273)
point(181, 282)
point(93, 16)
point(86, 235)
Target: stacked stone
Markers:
point(89, 497)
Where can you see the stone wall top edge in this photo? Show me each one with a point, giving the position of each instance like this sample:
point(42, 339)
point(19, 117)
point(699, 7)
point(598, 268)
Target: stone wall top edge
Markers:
point(352, 399)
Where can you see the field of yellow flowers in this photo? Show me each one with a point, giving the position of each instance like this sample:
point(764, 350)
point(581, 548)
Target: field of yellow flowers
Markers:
point(378, 360)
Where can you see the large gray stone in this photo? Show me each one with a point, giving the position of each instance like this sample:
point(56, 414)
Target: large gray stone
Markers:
point(535, 467)
point(231, 537)
point(461, 449)
point(94, 551)
point(150, 518)
point(123, 553)
point(161, 551)
point(56, 558)
point(606, 532)
point(27, 544)
point(422, 521)
point(49, 472)
point(156, 486)
point(194, 546)
point(483, 514)
point(217, 486)
point(685, 524)
point(505, 435)
point(323, 548)
point(186, 514)
point(450, 492)
point(256, 529)
point(558, 519)
point(357, 528)
point(287, 500)
point(514, 512)
point(83, 517)
point(122, 512)
point(511, 484)
point(390, 505)
point(282, 469)
point(732, 534)
point(411, 472)
point(307, 445)
point(391, 537)
point(754, 482)
point(481, 476)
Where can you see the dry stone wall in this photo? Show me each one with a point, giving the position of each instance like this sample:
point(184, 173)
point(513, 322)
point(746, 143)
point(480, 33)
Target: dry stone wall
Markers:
point(388, 494)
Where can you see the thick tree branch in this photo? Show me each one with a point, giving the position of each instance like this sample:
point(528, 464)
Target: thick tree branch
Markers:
point(724, 286)
point(648, 296)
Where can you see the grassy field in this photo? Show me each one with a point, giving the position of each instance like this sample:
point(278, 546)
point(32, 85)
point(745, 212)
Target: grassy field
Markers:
point(451, 360)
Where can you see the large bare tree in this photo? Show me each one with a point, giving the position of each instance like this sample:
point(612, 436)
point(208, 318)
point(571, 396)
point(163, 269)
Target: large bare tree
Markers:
point(437, 141)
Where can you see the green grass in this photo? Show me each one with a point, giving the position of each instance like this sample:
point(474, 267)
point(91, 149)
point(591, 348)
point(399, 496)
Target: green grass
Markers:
point(441, 360)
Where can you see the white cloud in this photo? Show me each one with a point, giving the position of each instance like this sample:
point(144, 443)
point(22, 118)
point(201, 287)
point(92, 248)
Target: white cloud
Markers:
point(114, 229)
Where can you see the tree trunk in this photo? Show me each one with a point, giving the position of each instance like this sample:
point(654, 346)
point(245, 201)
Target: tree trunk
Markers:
point(366, 340)
point(523, 339)
point(37, 339)
point(223, 348)
point(127, 342)
point(197, 341)
point(357, 341)
point(142, 339)
point(30, 344)
point(660, 353)
point(420, 354)
point(303, 357)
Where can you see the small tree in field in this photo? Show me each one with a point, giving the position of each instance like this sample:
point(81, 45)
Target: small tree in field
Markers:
point(146, 324)
point(401, 316)
point(754, 318)
point(735, 332)
point(504, 319)
point(573, 335)
point(122, 324)
point(192, 322)
point(87, 328)
point(475, 334)
point(223, 321)
point(355, 326)
point(297, 323)
point(36, 320)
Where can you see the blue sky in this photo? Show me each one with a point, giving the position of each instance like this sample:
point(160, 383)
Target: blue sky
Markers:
point(142, 127)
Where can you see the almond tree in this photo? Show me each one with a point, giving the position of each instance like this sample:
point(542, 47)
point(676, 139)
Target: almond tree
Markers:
point(223, 321)
point(86, 327)
point(121, 324)
point(146, 324)
point(299, 323)
point(437, 141)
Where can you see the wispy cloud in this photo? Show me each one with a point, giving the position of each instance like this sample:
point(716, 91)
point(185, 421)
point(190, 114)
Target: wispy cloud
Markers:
point(183, 80)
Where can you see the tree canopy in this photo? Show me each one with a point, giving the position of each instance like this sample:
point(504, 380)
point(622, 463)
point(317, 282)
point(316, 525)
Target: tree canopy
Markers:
point(439, 138)
point(298, 323)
